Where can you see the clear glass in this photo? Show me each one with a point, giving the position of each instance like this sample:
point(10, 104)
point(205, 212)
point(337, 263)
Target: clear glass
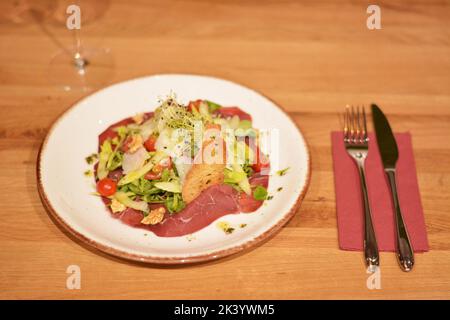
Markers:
point(80, 67)
point(75, 65)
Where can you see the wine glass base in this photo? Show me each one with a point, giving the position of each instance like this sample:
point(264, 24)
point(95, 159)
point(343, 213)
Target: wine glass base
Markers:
point(92, 70)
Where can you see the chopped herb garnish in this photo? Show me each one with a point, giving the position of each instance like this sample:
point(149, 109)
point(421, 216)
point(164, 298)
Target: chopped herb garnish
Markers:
point(190, 237)
point(269, 198)
point(279, 189)
point(242, 225)
point(282, 172)
point(91, 159)
point(229, 230)
point(89, 173)
point(260, 193)
point(225, 227)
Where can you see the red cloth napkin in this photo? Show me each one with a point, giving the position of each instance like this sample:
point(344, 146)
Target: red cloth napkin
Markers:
point(349, 202)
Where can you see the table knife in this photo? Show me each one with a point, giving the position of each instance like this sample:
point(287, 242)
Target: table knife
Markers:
point(389, 156)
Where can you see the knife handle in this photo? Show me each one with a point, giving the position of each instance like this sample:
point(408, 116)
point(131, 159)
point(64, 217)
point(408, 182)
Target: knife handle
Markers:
point(405, 253)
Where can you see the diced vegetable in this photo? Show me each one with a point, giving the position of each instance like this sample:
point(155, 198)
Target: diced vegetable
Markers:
point(194, 104)
point(114, 161)
point(147, 128)
point(165, 175)
point(244, 183)
point(149, 144)
point(123, 198)
point(261, 162)
point(260, 193)
point(194, 110)
point(170, 186)
point(213, 107)
point(164, 141)
point(204, 112)
point(132, 143)
point(175, 203)
point(237, 176)
point(165, 163)
point(243, 152)
point(105, 152)
point(245, 124)
point(233, 176)
point(234, 122)
point(151, 175)
point(136, 174)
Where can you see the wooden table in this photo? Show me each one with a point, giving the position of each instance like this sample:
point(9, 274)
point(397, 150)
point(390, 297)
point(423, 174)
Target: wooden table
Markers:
point(312, 59)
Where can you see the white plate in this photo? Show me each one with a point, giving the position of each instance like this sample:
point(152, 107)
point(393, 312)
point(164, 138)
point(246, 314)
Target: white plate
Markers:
point(65, 190)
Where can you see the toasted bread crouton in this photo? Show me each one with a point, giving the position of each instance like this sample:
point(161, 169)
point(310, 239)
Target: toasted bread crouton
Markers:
point(207, 169)
point(200, 177)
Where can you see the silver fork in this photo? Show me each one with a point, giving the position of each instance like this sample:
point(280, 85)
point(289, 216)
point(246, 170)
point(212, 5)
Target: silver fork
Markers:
point(357, 145)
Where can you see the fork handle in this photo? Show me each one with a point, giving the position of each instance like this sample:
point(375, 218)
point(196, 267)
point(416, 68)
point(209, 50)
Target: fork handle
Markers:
point(371, 254)
point(405, 253)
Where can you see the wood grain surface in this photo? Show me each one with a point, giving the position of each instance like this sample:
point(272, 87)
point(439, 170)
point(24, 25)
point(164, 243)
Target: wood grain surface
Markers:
point(312, 58)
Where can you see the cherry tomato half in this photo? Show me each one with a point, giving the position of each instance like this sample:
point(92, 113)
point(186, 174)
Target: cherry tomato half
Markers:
point(165, 163)
point(153, 175)
point(126, 144)
point(149, 144)
point(262, 162)
point(106, 187)
point(195, 104)
point(157, 170)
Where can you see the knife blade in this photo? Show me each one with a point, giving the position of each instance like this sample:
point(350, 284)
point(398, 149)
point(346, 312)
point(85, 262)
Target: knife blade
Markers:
point(385, 138)
point(389, 156)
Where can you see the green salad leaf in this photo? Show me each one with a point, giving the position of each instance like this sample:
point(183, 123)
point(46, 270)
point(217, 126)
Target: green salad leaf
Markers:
point(123, 198)
point(175, 203)
point(136, 174)
point(170, 186)
point(212, 106)
point(105, 152)
point(260, 193)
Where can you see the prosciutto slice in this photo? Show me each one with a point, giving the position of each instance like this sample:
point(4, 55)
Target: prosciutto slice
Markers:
point(213, 203)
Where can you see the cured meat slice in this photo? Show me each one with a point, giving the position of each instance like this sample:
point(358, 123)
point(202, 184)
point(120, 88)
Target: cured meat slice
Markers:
point(213, 203)
point(226, 112)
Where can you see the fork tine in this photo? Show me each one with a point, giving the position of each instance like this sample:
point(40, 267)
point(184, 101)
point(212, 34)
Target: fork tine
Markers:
point(352, 125)
point(365, 137)
point(355, 124)
point(358, 125)
point(346, 123)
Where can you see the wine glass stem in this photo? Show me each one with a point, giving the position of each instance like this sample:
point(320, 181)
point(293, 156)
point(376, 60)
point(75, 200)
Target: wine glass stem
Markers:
point(79, 61)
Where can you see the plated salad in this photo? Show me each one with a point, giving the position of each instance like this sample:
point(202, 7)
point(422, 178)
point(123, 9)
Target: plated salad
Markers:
point(176, 170)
